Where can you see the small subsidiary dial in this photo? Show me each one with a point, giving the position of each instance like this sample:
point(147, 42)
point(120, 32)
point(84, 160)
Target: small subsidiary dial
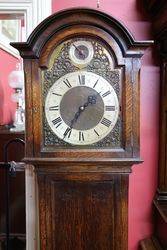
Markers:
point(81, 52)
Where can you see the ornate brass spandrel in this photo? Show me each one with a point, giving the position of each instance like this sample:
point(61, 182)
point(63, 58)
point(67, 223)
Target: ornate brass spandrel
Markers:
point(102, 64)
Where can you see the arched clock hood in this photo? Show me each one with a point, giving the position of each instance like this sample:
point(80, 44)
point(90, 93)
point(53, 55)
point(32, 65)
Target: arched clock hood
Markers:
point(76, 17)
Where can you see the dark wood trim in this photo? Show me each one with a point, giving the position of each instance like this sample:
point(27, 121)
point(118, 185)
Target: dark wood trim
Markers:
point(13, 235)
point(161, 207)
point(150, 244)
point(17, 241)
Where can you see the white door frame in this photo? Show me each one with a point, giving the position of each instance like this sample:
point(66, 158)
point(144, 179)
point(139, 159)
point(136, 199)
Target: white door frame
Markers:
point(34, 11)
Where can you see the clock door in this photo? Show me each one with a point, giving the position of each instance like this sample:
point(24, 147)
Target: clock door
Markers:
point(82, 212)
point(82, 130)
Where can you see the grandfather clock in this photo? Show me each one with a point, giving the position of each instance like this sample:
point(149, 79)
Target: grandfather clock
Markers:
point(82, 129)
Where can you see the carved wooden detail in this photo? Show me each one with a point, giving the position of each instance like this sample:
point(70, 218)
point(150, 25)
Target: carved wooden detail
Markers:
point(150, 244)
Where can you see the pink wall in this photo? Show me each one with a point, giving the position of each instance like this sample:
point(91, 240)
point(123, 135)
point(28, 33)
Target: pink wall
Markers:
point(7, 106)
point(143, 179)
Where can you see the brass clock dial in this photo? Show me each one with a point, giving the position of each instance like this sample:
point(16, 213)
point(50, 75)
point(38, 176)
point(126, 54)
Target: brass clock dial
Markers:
point(82, 96)
point(81, 108)
point(81, 52)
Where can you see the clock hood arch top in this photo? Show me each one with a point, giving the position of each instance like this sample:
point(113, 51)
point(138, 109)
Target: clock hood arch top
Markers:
point(80, 16)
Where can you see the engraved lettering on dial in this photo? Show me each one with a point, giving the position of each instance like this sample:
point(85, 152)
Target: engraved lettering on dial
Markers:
point(110, 108)
point(67, 83)
point(81, 136)
point(106, 122)
point(67, 132)
point(81, 79)
point(57, 122)
point(106, 93)
point(95, 83)
point(54, 108)
point(81, 108)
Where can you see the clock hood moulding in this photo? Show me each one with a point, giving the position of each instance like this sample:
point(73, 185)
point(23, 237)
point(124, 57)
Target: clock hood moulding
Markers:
point(64, 19)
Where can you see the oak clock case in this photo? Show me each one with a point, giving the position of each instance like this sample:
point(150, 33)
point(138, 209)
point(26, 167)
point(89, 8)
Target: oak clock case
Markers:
point(82, 72)
point(82, 95)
